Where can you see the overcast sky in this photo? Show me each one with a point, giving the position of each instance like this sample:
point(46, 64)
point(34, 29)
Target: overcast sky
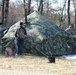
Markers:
point(55, 3)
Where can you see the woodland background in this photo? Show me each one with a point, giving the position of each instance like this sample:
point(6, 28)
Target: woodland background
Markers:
point(64, 14)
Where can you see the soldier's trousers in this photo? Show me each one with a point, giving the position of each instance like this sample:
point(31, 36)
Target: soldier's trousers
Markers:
point(19, 45)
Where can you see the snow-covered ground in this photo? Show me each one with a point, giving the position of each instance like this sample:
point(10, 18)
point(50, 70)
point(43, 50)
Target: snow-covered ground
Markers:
point(69, 56)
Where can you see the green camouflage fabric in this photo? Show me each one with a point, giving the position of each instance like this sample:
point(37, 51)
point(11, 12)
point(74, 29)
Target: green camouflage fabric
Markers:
point(43, 36)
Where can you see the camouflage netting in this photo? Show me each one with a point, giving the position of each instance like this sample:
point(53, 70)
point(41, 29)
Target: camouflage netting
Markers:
point(43, 37)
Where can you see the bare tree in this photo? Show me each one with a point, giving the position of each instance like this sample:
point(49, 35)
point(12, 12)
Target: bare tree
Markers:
point(61, 19)
point(47, 7)
point(75, 17)
point(6, 11)
point(16, 13)
point(25, 10)
point(12, 17)
point(40, 8)
point(68, 12)
point(74, 2)
point(29, 4)
point(0, 10)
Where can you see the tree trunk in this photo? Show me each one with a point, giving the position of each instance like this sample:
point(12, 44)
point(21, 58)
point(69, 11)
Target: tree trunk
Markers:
point(25, 10)
point(63, 9)
point(2, 11)
point(29, 4)
point(47, 8)
point(6, 12)
point(5, 6)
point(68, 12)
point(40, 8)
point(75, 18)
point(62, 13)
point(74, 3)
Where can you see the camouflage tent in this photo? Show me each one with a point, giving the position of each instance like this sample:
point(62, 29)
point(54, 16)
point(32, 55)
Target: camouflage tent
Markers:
point(43, 37)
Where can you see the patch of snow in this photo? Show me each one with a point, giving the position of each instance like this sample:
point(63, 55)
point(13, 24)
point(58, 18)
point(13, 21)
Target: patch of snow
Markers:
point(69, 56)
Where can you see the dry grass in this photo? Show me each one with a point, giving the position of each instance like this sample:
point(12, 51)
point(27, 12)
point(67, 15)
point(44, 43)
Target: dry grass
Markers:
point(37, 64)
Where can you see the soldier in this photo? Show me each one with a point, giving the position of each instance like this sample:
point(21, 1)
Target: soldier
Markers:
point(20, 35)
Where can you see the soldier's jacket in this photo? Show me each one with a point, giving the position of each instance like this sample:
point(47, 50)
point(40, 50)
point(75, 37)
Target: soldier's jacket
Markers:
point(21, 32)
